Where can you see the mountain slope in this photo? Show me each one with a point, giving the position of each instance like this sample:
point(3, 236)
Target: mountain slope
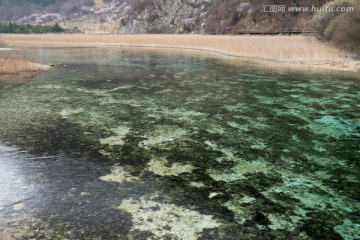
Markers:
point(159, 16)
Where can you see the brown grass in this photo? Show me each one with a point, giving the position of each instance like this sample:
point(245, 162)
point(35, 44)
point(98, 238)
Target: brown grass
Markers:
point(284, 49)
point(17, 61)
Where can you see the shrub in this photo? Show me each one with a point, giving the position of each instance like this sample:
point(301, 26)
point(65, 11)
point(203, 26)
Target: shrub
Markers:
point(56, 28)
point(220, 13)
point(340, 28)
point(20, 28)
point(344, 31)
point(322, 19)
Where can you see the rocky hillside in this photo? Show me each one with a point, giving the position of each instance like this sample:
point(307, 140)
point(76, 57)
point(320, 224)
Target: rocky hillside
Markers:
point(159, 16)
point(141, 16)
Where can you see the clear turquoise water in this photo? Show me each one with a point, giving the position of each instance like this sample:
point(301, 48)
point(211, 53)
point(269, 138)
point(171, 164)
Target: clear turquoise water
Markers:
point(113, 144)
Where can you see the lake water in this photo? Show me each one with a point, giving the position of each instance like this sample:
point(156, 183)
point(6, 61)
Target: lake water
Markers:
point(127, 144)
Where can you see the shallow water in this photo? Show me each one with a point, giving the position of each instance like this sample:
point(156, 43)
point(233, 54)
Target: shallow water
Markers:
point(124, 144)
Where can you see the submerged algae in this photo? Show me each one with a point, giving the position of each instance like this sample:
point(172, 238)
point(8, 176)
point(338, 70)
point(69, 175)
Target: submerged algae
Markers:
point(274, 150)
point(162, 134)
point(239, 171)
point(159, 167)
point(118, 138)
point(167, 220)
point(119, 174)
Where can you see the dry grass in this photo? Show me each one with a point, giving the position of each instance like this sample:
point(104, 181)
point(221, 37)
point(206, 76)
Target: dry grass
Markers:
point(284, 49)
point(17, 61)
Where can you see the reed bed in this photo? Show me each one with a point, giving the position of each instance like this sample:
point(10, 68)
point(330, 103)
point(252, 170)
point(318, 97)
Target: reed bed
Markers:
point(279, 48)
point(17, 61)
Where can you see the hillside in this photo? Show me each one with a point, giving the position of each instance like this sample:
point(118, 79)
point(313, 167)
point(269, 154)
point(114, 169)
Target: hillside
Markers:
point(158, 16)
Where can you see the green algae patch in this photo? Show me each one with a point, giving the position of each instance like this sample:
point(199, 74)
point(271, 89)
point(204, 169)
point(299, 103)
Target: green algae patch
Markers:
point(119, 174)
point(163, 134)
point(197, 184)
point(239, 171)
point(238, 207)
point(117, 138)
point(68, 112)
point(278, 222)
point(161, 167)
point(167, 220)
point(348, 229)
point(333, 127)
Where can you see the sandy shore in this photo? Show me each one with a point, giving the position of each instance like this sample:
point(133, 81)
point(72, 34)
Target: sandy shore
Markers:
point(287, 50)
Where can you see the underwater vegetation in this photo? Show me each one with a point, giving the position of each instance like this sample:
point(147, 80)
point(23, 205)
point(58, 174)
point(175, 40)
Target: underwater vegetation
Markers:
point(169, 147)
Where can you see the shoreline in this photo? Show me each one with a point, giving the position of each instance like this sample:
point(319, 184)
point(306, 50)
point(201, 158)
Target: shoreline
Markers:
point(283, 51)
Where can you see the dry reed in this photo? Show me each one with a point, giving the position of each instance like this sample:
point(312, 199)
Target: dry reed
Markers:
point(17, 61)
point(280, 48)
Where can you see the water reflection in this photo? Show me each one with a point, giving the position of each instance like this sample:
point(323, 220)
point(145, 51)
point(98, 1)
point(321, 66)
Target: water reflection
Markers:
point(13, 184)
point(43, 193)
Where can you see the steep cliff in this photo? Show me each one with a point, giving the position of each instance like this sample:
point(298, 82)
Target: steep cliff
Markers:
point(158, 16)
point(200, 16)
